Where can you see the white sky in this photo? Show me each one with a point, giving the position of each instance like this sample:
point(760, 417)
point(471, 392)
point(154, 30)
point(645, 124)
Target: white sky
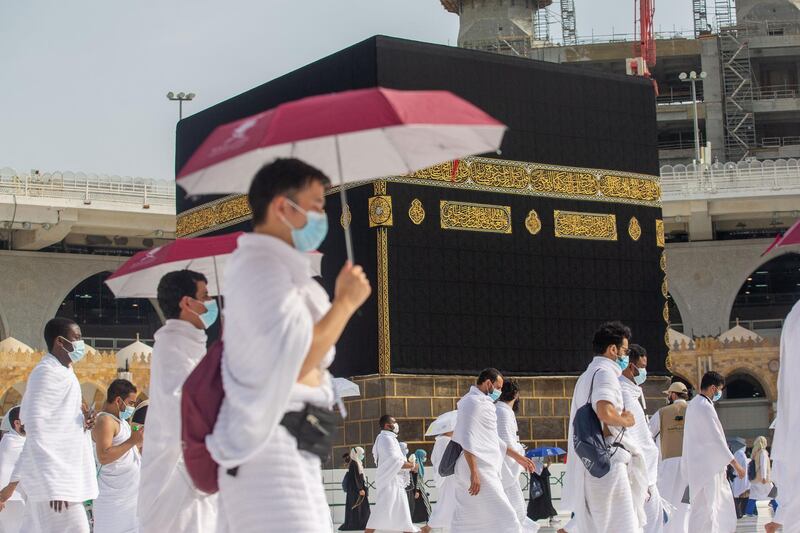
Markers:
point(83, 82)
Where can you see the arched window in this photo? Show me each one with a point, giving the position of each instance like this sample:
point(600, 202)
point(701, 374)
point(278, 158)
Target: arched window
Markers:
point(107, 322)
point(768, 294)
point(743, 386)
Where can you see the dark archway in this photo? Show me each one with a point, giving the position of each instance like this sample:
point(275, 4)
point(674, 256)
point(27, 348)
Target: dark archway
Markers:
point(108, 322)
point(741, 386)
point(768, 294)
point(675, 319)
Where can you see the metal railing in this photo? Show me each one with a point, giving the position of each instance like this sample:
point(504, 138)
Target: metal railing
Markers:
point(775, 92)
point(113, 343)
point(776, 142)
point(88, 187)
point(670, 96)
point(781, 176)
point(678, 144)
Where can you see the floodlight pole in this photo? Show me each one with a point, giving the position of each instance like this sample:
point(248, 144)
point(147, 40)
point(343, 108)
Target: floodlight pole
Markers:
point(180, 98)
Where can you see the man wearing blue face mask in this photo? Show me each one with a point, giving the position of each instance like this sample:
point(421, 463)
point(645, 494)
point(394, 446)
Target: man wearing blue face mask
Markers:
point(117, 449)
point(56, 465)
point(705, 458)
point(279, 340)
point(645, 502)
point(481, 503)
point(602, 504)
point(167, 499)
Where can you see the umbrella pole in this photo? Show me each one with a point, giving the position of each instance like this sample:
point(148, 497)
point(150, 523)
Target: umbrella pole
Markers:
point(348, 238)
point(219, 291)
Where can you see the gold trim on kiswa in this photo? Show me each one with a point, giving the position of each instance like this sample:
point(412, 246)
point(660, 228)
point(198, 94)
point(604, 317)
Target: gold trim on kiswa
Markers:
point(380, 211)
point(218, 214)
point(346, 218)
point(592, 226)
point(467, 216)
point(416, 212)
point(473, 173)
point(660, 240)
point(634, 229)
point(532, 222)
point(384, 338)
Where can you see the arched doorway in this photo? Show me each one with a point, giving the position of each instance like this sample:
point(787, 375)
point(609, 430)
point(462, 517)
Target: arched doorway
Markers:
point(744, 409)
point(767, 295)
point(108, 323)
point(11, 397)
point(743, 386)
point(675, 319)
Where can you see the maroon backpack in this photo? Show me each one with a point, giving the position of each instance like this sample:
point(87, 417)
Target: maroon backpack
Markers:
point(200, 404)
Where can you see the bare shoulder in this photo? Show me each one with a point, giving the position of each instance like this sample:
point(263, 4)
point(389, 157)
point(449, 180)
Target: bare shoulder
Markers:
point(105, 425)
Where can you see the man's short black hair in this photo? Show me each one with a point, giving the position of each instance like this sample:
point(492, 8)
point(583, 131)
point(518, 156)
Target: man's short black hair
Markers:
point(13, 416)
point(119, 388)
point(384, 420)
point(509, 391)
point(174, 286)
point(710, 379)
point(281, 177)
point(610, 333)
point(487, 373)
point(55, 328)
point(636, 352)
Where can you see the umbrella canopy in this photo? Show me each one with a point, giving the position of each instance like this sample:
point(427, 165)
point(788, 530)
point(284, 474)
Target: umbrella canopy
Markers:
point(790, 237)
point(139, 276)
point(444, 424)
point(545, 451)
point(350, 136)
point(345, 388)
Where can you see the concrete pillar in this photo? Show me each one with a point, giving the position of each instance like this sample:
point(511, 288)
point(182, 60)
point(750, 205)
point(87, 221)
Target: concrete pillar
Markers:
point(713, 96)
point(34, 284)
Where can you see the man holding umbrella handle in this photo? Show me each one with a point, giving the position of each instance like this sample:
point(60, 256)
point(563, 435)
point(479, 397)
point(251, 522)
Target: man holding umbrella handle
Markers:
point(279, 340)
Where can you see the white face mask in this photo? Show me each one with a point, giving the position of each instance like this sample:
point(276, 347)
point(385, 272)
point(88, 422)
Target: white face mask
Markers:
point(396, 428)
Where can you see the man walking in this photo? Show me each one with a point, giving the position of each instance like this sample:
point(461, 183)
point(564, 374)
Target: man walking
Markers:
point(280, 338)
point(167, 499)
point(481, 504)
point(705, 457)
point(57, 464)
point(667, 426)
point(631, 381)
point(602, 505)
point(391, 512)
point(12, 504)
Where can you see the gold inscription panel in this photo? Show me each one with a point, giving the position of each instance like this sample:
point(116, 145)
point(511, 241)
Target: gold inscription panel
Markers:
point(475, 217)
point(572, 225)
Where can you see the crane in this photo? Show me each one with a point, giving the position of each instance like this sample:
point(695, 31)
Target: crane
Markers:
point(644, 50)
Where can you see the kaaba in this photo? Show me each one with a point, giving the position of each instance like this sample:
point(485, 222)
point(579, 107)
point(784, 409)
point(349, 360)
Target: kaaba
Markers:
point(509, 260)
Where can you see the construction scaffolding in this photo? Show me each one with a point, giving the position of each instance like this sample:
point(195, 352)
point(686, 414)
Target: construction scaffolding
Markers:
point(568, 27)
point(541, 25)
point(700, 13)
point(725, 13)
point(737, 74)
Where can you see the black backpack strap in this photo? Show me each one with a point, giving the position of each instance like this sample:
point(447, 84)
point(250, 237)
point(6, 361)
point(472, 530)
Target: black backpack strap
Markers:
point(591, 387)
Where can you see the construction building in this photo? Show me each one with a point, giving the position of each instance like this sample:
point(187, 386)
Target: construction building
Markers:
point(748, 104)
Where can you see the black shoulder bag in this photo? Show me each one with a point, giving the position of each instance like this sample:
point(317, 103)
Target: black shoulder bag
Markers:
point(588, 440)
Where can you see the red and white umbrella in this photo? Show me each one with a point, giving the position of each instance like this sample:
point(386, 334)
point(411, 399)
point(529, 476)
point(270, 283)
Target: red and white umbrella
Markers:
point(351, 136)
point(139, 276)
